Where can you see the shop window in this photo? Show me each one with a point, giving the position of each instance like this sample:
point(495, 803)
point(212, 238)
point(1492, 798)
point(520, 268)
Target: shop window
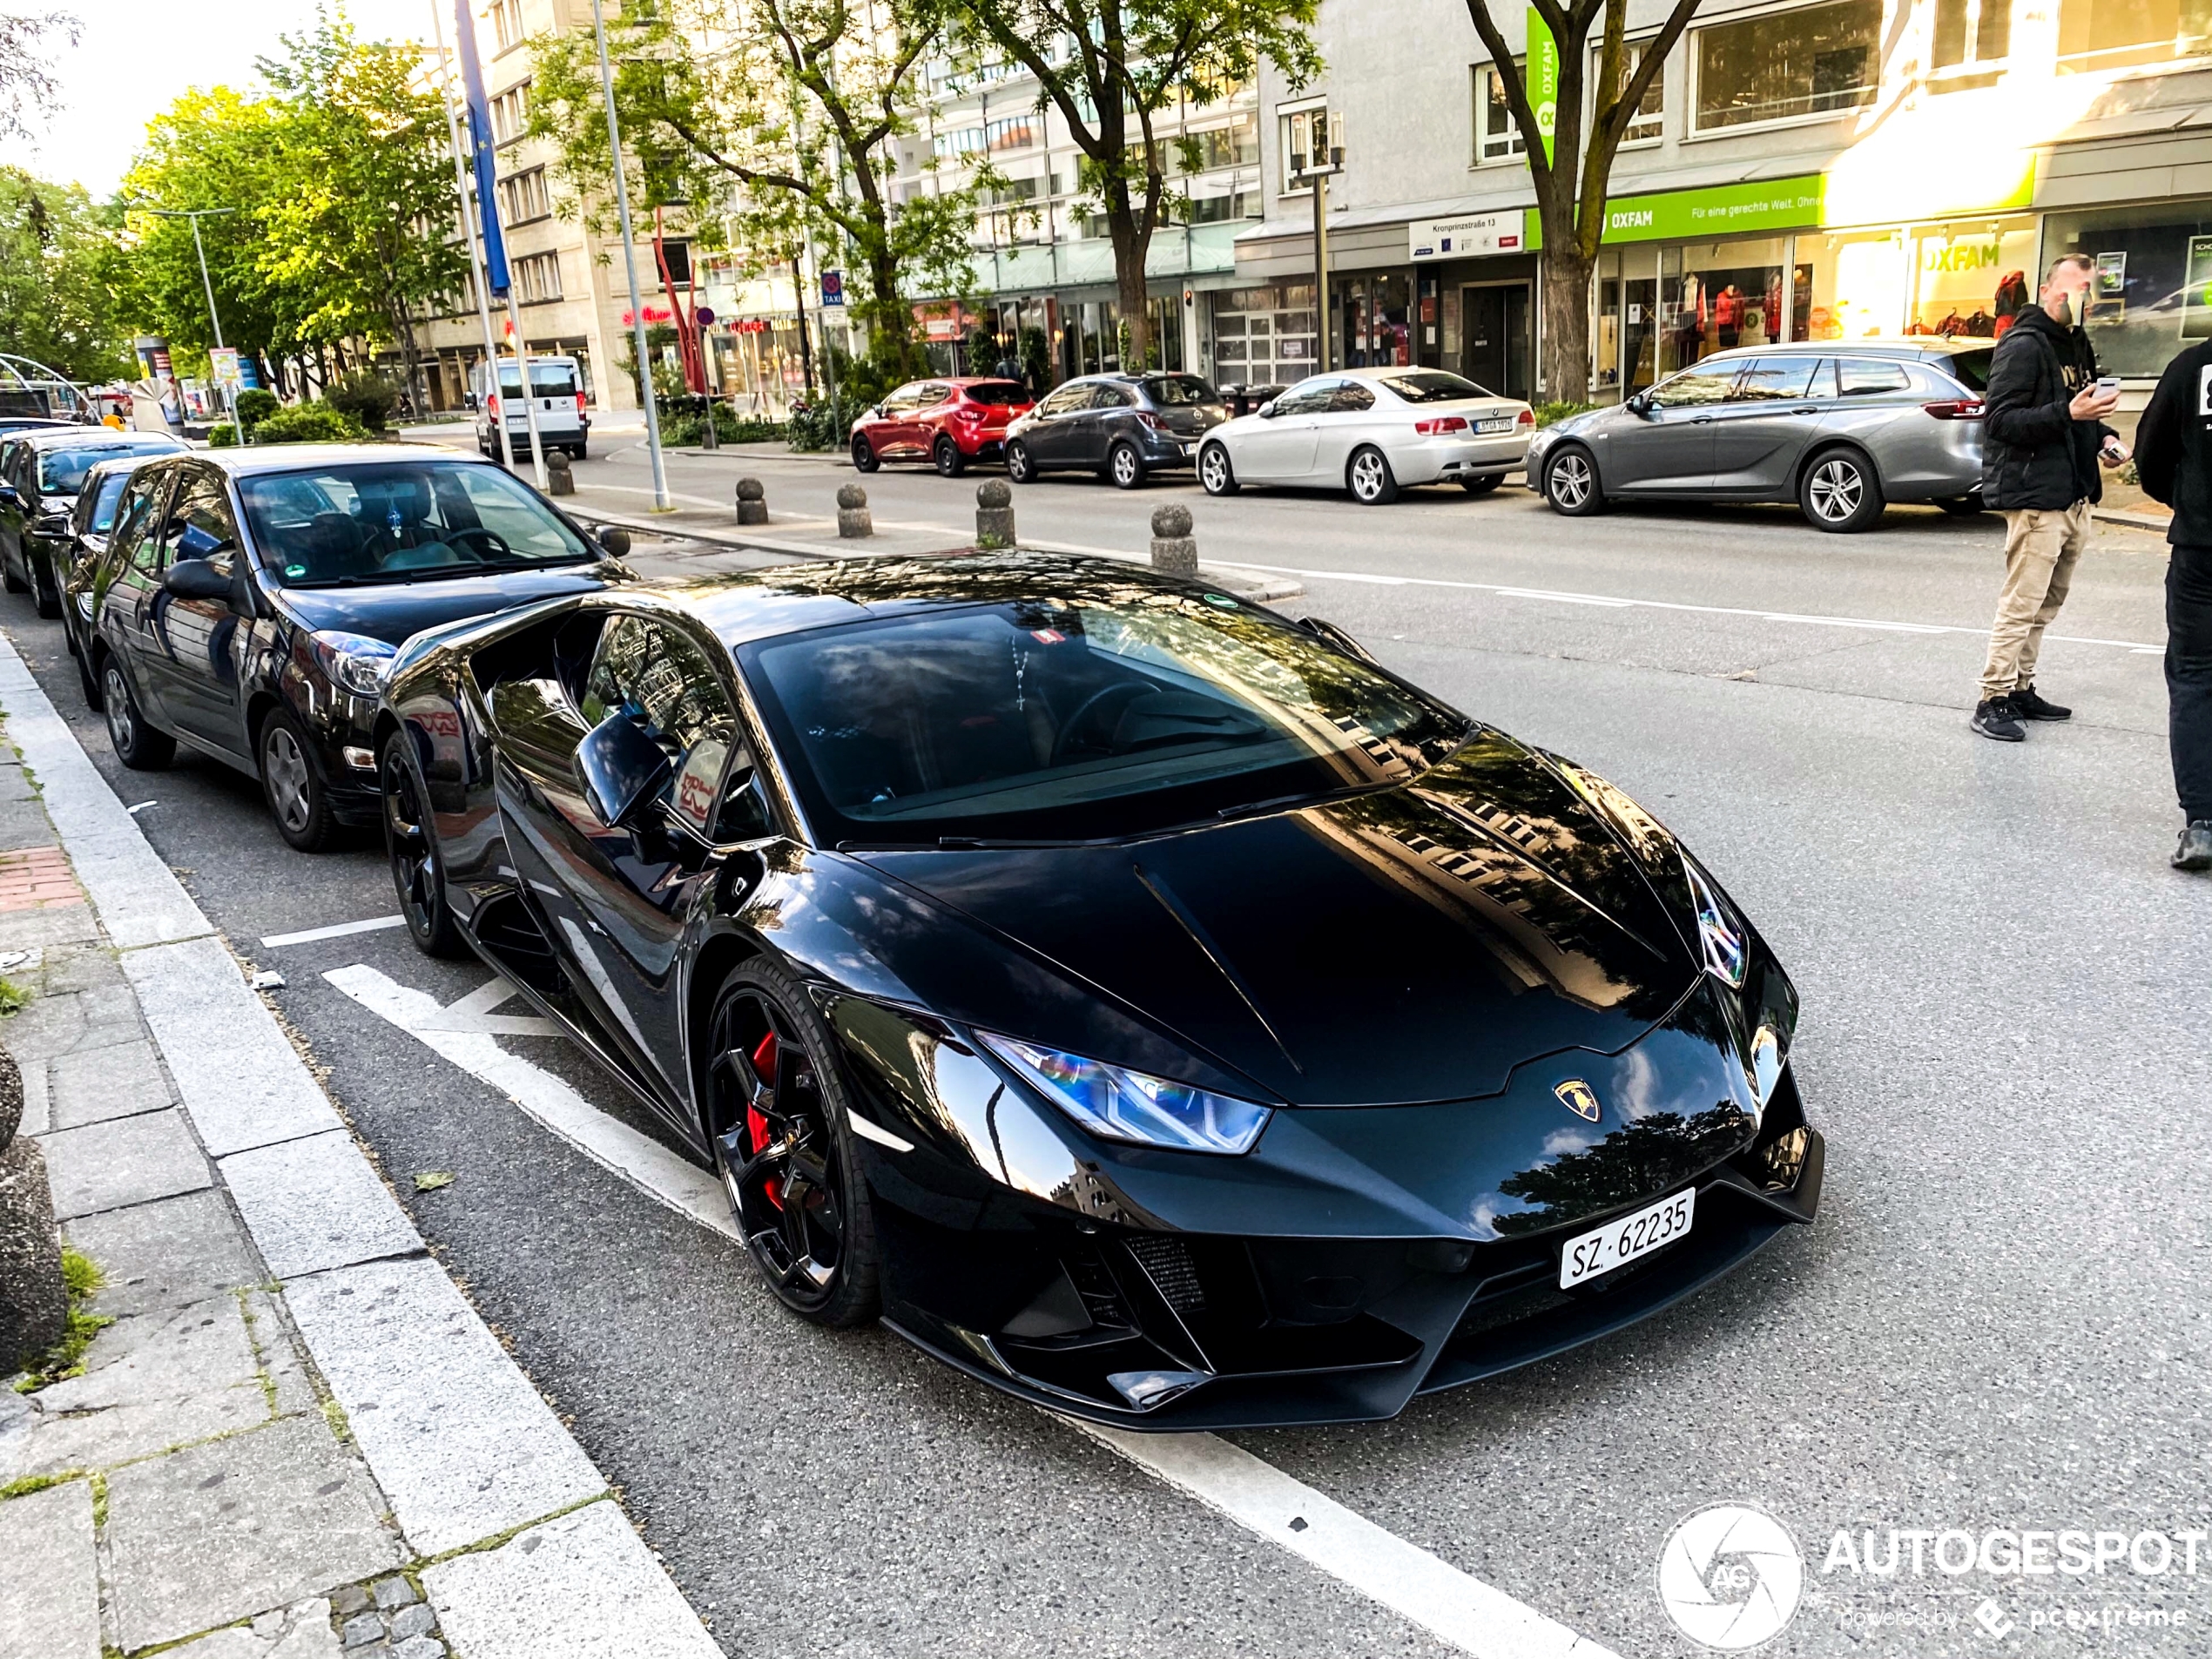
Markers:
point(1651, 117)
point(1858, 286)
point(1970, 279)
point(1971, 35)
point(1725, 295)
point(2154, 268)
point(1497, 136)
point(1789, 66)
point(2111, 34)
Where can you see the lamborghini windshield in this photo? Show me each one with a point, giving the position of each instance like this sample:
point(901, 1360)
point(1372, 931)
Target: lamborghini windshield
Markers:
point(401, 522)
point(1080, 720)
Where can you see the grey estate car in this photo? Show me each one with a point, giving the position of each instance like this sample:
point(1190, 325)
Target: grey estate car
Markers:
point(1839, 426)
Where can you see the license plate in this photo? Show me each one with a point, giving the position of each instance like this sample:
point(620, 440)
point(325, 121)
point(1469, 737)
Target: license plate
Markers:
point(1503, 423)
point(1619, 1242)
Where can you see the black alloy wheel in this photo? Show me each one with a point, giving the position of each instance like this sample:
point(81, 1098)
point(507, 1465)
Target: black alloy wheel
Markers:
point(950, 460)
point(138, 745)
point(1125, 467)
point(293, 789)
point(1369, 477)
point(411, 845)
point(1215, 473)
point(1019, 467)
point(1839, 492)
point(783, 1151)
point(864, 457)
point(1570, 483)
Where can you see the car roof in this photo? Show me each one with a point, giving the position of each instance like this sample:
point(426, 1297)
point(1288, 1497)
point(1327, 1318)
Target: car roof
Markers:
point(130, 462)
point(1872, 346)
point(298, 457)
point(64, 437)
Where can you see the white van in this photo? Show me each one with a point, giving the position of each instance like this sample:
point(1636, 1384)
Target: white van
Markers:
point(558, 388)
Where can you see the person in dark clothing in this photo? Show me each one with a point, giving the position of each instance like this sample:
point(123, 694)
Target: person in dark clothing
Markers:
point(2174, 459)
point(2043, 440)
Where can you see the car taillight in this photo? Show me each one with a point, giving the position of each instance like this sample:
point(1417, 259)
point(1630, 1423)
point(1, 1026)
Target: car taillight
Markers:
point(1440, 424)
point(491, 404)
point(1527, 417)
point(1152, 419)
point(579, 403)
point(1962, 408)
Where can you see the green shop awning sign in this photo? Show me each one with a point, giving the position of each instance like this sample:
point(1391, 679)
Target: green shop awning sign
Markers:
point(1802, 203)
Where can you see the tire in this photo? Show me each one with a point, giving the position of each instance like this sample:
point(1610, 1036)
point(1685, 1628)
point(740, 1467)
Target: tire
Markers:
point(946, 455)
point(865, 458)
point(48, 593)
point(1840, 491)
point(1369, 478)
point(1215, 473)
point(1482, 486)
point(1571, 483)
point(289, 783)
point(580, 452)
point(1963, 506)
point(1125, 467)
point(783, 1149)
point(411, 847)
point(138, 745)
point(1019, 468)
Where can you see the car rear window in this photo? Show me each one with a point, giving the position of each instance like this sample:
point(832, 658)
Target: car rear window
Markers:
point(1970, 369)
point(998, 394)
point(1430, 386)
point(1177, 391)
point(547, 380)
point(61, 472)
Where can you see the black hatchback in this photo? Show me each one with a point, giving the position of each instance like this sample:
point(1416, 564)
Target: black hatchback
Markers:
point(1121, 427)
point(42, 471)
point(249, 602)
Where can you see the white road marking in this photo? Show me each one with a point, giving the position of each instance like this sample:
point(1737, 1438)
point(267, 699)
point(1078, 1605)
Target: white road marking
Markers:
point(339, 930)
point(140, 807)
point(1455, 1607)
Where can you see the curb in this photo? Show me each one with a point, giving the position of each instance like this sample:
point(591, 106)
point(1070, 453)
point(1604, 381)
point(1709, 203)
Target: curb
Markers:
point(477, 1467)
point(2132, 521)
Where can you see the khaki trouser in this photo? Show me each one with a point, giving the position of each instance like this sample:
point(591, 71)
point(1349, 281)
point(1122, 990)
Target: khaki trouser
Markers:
point(2041, 547)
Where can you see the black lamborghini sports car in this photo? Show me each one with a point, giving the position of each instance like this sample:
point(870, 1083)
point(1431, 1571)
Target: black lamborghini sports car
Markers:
point(1145, 1003)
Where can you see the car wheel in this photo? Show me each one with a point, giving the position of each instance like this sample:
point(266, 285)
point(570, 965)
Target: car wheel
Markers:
point(1840, 492)
point(1963, 506)
point(138, 745)
point(580, 452)
point(48, 591)
point(1215, 472)
point(1570, 483)
point(1019, 467)
point(1125, 466)
point(295, 794)
point(1370, 478)
point(411, 845)
point(1484, 485)
point(950, 462)
point(864, 457)
point(783, 1150)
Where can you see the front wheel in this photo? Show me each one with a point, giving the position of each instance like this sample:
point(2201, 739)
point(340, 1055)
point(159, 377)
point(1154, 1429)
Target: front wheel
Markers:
point(410, 843)
point(1215, 472)
point(138, 745)
point(1570, 483)
point(1019, 465)
point(1371, 481)
point(1125, 467)
point(295, 790)
point(950, 462)
point(1840, 492)
point(783, 1150)
point(864, 457)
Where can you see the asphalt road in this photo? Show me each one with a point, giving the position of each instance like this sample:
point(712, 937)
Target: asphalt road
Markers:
point(2000, 1320)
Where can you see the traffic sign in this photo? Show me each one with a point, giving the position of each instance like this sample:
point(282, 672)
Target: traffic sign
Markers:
point(832, 288)
point(704, 317)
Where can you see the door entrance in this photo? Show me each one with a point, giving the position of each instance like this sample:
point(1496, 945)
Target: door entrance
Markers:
point(1495, 346)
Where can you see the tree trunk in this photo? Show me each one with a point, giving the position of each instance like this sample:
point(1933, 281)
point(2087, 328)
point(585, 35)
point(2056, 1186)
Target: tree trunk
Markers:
point(1132, 244)
point(890, 320)
point(1566, 319)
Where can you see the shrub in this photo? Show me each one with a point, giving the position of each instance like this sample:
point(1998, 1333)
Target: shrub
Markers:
point(255, 406)
point(306, 423)
point(1552, 413)
point(222, 435)
point(683, 424)
point(366, 398)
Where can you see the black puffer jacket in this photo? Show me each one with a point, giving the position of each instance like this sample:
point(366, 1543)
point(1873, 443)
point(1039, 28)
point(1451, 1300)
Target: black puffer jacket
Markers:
point(2174, 446)
point(2033, 453)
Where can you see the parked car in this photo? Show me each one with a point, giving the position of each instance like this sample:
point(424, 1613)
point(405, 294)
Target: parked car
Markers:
point(557, 386)
point(41, 471)
point(249, 601)
point(1839, 426)
point(1371, 431)
point(946, 422)
point(1148, 1005)
point(1122, 427)
point(13, 423)
point(90, 528)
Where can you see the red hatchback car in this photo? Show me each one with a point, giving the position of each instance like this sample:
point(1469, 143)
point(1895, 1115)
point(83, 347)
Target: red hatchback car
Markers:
point(946, 422)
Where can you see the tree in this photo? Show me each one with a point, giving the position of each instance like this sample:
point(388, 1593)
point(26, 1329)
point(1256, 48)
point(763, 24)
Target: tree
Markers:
point(57, 304)
point(1571, 176)
point(27, 85)
point(1112, 68)
point(781, 116)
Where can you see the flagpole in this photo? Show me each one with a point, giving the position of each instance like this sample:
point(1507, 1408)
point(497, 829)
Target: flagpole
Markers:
point(630, 268)
point(468, 223)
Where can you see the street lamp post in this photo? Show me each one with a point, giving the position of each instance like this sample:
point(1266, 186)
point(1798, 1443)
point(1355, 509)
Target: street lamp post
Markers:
point(629, 267)
point(195, 214)
point(1314, 170)
point(469, 222)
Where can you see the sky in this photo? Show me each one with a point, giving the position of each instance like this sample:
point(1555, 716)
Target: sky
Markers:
point(135, 56)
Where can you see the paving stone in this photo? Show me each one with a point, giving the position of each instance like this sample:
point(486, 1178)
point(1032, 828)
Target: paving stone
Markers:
point(315, 1204)
point(216, 1532)
point(74, 1023)
point(95, 1085)
point(60, 925)
point(392, 1593)
point(133, 1160)
point(37, 1116)
point(416, 1621)
point(419, 1647)
point(23, 823)
point(301, 1631)
point(281, 1354)
point(166, 1254)
point(351, 1600)
point(151, 1380)
point(50, 1590)
point(79, 967)
point(362, 1630)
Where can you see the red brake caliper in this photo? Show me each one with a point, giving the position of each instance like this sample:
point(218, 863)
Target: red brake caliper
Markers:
point(756, 1121)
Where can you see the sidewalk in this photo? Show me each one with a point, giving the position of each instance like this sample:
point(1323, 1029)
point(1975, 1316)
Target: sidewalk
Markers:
point(296, 1439)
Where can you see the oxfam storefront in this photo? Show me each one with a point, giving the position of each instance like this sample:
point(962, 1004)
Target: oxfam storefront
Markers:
point(1684, 272)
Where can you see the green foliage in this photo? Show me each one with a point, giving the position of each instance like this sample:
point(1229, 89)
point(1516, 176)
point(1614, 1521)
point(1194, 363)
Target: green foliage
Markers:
point(306, 423)
point(13, 997)
point(1036, 359)
point(222, 435)
point(827, 424)
point(1557, 410)
point(365, 398)
point(684, 425)
point(66, 1358)
point(256, 406)
point(58, 301)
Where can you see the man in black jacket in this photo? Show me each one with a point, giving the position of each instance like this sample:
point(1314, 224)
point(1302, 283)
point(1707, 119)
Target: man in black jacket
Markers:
point(2043, 434)
point(2174, 458)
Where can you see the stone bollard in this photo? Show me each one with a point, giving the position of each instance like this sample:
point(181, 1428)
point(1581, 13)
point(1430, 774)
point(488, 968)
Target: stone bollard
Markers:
point(853, 520)
point(560, 477)
point(994, 514)
point(753, 501)
point(34, 1303)
point(1174, 550)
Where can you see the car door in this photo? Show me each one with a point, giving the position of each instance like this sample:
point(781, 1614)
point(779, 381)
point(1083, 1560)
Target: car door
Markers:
point(125, 609)
point(1669, 447)
point(193, 654)
point(1759, 433)
point(1347, 422)
point(14, 505)
point(1051, 440)
point(895, 435)
point(1278, 448)
point(1870, 393)
point(1092, 430)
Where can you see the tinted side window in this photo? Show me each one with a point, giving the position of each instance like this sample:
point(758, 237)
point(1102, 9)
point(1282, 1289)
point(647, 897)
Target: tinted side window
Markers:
point(199, 524)
point(1970, 369)
point(1067, 398)
point(1110, 396)
point(1308, 399)
point(667, 684)
point(1777, 379)
point(1351, 398)
point(1695, 387)
point(904, 400)
point(134, 541)
point(1868, 377)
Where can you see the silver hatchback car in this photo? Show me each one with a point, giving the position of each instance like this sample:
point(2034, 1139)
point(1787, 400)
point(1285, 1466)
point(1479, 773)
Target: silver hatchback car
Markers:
point(1840, 427)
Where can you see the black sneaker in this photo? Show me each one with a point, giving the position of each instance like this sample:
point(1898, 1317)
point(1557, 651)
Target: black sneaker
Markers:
point(2028, 706)
point(2195, 850)
point(1993, 717)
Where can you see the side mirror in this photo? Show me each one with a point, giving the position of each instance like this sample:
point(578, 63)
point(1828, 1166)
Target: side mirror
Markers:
point(613, 538)
point(622, 769)
point(1266, 411)
point(1642, 403)
point(1337, 636)
point(877, 412)
point(468, 400)
point(197, 579)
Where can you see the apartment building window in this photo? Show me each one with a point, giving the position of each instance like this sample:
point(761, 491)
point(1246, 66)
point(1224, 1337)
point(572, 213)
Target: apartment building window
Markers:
point(1234, 146)
point(523, 197)
point(2113, 34)
point(1216, 210)
point(1307, 131)
point(510, 112)
point(537, 276)
point(1971, 34)
point(507, 22)
point(1018, 133)
point(1497, 137)
point(1788, 65)
point(962, 141)
point(1651, 117)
